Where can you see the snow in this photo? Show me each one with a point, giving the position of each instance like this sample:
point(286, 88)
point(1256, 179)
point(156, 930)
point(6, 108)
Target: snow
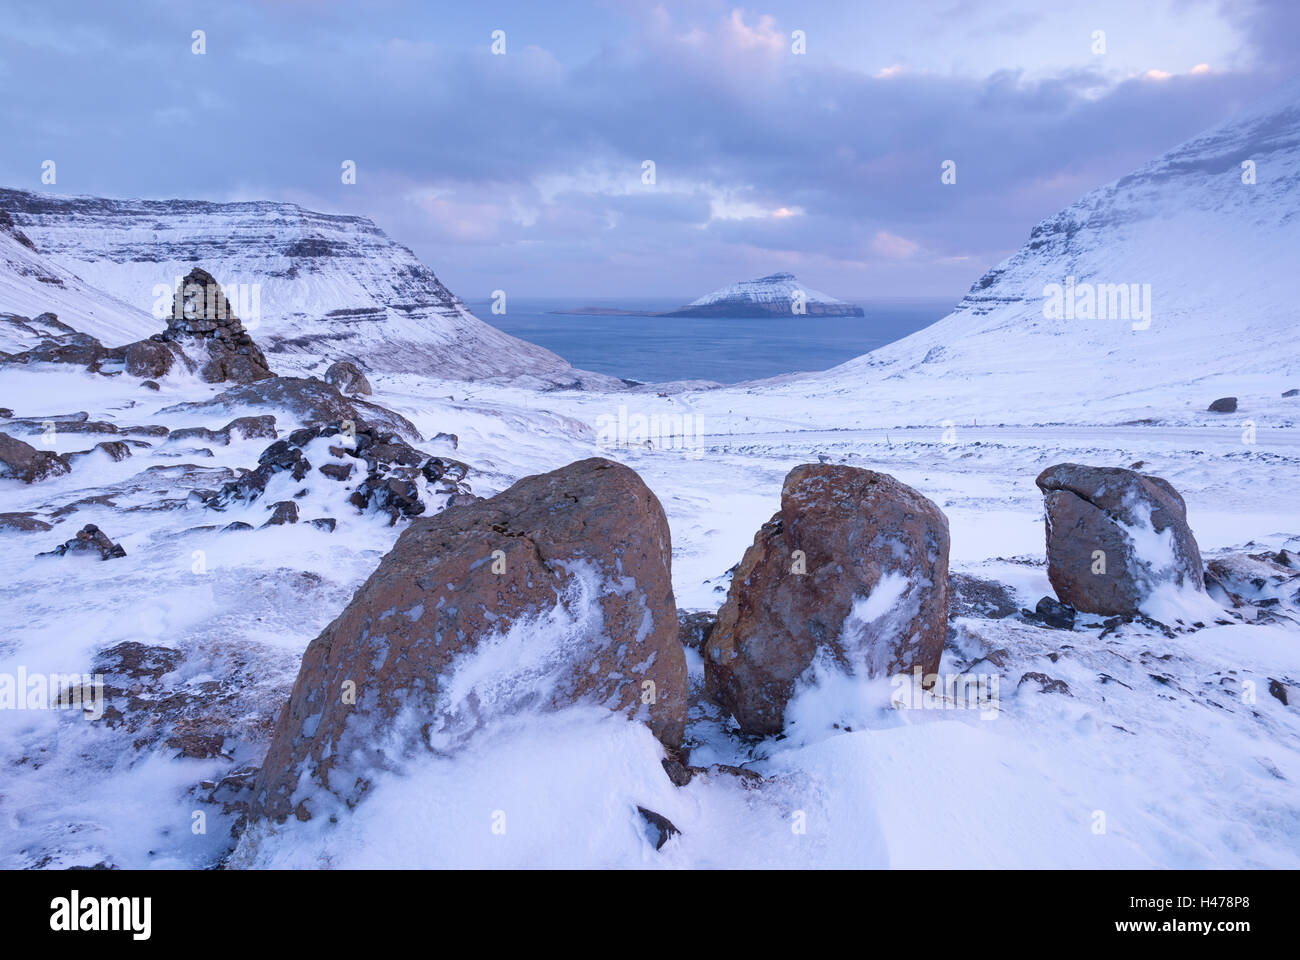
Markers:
point(1164, 752)
point(779, 288)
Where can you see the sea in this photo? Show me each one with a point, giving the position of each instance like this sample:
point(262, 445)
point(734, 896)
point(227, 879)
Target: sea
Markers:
point(726, 350)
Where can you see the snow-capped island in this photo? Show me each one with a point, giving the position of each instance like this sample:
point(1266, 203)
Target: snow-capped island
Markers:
point(779, 294)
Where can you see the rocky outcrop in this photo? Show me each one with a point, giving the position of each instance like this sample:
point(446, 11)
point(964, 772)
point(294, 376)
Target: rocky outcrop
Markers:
point(1224, 405)
point(203, 331)
point(557, 591)
point(308, 399)
point(854, 566)
point(1114, 536)
point(347, 377)
point(399, 481)
point(24, 462)
point(89, 540)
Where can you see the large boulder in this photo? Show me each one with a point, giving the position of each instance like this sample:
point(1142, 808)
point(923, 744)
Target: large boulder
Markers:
point(855, 564)
point(1114, 536)
point(24, 462)
point(149, 359)
point(347, 377)
point(557, 591)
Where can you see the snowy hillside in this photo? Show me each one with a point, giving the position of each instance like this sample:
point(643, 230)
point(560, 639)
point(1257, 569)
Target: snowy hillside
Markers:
point(242, 522)
point(1210, 264)
point(780, 294)
point(328, 286)
point(31, 284)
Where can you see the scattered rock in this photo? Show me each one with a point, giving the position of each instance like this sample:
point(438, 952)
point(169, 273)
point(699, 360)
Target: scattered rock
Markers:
point(324, 523)
point(970, 596)
point(311, 401)
point(1051, 612)
point(661, 829)
point(347, 377)
point(89, 539)
point(284, 511)
point(151, 385)
point(115, 450)
point(24, 462)
point(855, 564)
point(693, 629)
point(1224, 405)
point(337, 471)
point(578, 560)
point(1113, 536)
point(150, 359)
point(1045, 683)
point(24, 521)
point(1295, 392)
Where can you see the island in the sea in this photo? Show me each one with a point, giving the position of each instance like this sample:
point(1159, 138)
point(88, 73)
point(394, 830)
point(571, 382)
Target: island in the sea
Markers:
point(779, 294)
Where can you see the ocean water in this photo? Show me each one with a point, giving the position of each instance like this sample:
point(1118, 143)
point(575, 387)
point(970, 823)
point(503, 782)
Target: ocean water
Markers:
point(655, 349)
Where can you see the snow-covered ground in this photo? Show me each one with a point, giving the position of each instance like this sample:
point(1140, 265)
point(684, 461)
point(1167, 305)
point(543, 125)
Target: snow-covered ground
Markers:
point(1128, 746)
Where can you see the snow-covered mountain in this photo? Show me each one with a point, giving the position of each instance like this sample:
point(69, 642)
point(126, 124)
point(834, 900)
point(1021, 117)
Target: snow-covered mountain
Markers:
point(31, 284)
point(328, 286)
point(1203, 242)
point(780, 294)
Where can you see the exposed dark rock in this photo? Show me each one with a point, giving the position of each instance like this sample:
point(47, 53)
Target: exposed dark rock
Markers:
point(1045, 683)
point(693, 629)
point(1051, 612)
point(324, 523)
point(337, 471)
point(25, 521)
point(24, 462)
point(89, 539)
point(1294, 392)
point(347, 377)
point(202, 322)
point(660, 827)
point(970, 596)
point(284, 511)
point(115, 450)
point(1224, 405)
point(150, 358)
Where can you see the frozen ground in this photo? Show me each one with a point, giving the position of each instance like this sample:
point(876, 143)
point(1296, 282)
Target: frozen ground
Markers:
point(1156, 734)
point(1136, 745)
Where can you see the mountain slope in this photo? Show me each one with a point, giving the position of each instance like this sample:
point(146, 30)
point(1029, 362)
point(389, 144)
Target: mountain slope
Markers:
point(1219, 259)
point(329, 287)
point(31, 284)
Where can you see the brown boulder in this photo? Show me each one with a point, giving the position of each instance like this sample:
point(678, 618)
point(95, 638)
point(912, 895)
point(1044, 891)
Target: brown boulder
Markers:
point(24, 462)
point(347, 377)
point(149, 359)
point(1113, 536)
point(854, 564)
point(556, 591)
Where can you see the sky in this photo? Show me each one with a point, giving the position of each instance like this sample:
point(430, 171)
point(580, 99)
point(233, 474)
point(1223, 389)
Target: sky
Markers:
point(785, 136)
